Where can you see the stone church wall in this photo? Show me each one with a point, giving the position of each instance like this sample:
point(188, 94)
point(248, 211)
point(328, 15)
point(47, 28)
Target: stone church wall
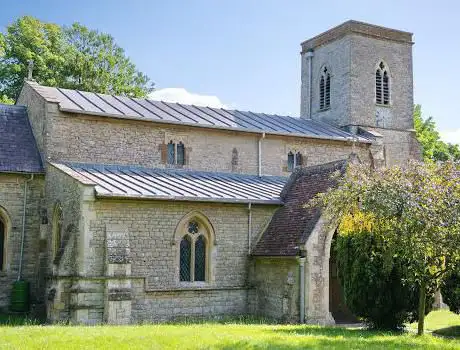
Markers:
point(276, 284)
point(157, 294)
point(111, 141)
point(12, 205)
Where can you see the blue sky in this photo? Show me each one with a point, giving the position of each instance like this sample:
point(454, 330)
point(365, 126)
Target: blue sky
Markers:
point(246, 53)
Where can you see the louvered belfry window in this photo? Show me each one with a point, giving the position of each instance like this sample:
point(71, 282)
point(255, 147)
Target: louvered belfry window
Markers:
point(325, 89)
point(382, 85)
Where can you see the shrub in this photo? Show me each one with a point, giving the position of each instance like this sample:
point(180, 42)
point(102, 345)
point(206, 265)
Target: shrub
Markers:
point(372, 281)
point(450, 290)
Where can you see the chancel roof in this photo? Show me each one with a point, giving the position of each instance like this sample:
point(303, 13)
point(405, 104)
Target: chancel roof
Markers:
point(81, 102)
point(124, 182)
point(18, 150)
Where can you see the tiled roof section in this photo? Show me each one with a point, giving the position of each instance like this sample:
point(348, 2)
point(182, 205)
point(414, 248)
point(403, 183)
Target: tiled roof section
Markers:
point(74, 101)
point(120, 181)
point(18, 150)
point(292, 224)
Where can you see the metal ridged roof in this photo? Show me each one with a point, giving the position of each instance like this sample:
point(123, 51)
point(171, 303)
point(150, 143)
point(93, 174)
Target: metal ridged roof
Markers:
point(116, 181)
point(75, 101)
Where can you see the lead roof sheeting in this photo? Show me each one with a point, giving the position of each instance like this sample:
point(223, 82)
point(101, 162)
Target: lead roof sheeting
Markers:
point(140, 182)
point(144, 109)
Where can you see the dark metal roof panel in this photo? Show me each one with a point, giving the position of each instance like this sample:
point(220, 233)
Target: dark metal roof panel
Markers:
point(122, 181)
point(18, 150)
point(144, 109)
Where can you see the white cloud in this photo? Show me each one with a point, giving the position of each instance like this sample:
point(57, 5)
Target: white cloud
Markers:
point(452, 136)
point(183, 96)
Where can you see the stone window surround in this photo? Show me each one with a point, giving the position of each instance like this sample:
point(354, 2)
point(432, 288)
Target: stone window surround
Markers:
point(5, 218)
point(206, 230)
point(296, 156)
point(383, 70)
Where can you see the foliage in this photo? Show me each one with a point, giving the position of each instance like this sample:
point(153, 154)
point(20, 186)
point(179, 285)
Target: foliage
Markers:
point(6, 100)
point(450, 290)
point(72, 57)
point(372, 279)
point(212, 335)
point(433, 147)
point(414, 210)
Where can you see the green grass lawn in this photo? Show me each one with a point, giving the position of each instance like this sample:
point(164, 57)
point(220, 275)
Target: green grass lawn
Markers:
point(222, 336)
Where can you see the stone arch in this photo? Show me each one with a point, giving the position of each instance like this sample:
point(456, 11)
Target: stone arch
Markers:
point(318, 249)
point(6, 223)
point(198, 216)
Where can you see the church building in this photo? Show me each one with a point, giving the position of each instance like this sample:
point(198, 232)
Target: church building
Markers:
point(123, 210)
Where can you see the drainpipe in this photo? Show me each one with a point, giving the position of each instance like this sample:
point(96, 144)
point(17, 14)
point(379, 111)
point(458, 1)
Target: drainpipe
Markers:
point(260, 153)
point(21, 256)
point(249, 227)
point(302, 288)
point(310, 80)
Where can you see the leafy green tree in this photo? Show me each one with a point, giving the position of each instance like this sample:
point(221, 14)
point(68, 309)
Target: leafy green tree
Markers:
point(72, 57)
point(5, 100)
point(433, 147)
point(450, 290)
point(372, 278)
point(413, 209)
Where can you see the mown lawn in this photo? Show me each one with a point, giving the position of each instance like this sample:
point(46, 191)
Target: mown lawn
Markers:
point(222, 336)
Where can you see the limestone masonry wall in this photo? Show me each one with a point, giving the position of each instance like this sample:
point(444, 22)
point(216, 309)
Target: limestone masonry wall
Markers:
point(11, 207)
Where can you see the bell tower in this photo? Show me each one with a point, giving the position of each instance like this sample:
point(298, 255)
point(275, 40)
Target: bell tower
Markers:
point(358, 76)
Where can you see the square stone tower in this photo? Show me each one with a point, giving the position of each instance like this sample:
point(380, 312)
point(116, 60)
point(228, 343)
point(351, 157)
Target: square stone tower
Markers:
point(358, 76)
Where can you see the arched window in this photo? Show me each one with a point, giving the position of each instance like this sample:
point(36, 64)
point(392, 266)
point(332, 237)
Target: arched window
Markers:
point(290, 161)
point(2, 244)
point(382, 85)
point(298, 160)
point(180, 153)
point(57, 230)
point(171, 153)
point(196, 236)
point(325, 89)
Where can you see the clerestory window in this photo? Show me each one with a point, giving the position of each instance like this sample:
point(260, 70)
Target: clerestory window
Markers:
point(382, 85)
point(294, 160)
point(175, 153)
point(325, 89)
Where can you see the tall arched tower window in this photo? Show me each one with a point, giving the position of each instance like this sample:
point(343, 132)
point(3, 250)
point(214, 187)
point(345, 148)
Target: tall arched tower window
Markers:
point(325, 89)
point(382, 85)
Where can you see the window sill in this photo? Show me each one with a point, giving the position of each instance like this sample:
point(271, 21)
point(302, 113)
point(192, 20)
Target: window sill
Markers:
point(324, 109)
point(192, 288)
point(383, 105)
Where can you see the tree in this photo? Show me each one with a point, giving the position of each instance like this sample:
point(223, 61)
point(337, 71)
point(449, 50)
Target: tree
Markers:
point(372, 278)
point(72, 57)
point(413, 209)
point(433, 147)
point(450, 290)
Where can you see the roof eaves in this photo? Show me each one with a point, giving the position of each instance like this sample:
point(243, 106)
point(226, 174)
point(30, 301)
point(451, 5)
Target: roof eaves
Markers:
point(72, 173)
point(247, 130)
point(189, 199)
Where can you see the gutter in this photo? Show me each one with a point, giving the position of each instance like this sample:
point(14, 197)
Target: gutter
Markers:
point(21, 256)
point(310, 81)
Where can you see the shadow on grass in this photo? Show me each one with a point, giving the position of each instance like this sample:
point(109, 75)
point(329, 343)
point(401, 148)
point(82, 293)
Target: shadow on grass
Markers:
point(448, 332)
point(17, 320)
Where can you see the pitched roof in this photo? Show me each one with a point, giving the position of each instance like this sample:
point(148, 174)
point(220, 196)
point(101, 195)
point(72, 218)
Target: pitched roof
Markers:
point(292, 224)
point(81, 102)
point(18, 150)
point(120, 181)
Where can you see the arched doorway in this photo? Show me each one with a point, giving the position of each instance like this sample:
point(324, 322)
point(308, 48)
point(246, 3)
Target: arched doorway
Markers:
point(337, 306)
